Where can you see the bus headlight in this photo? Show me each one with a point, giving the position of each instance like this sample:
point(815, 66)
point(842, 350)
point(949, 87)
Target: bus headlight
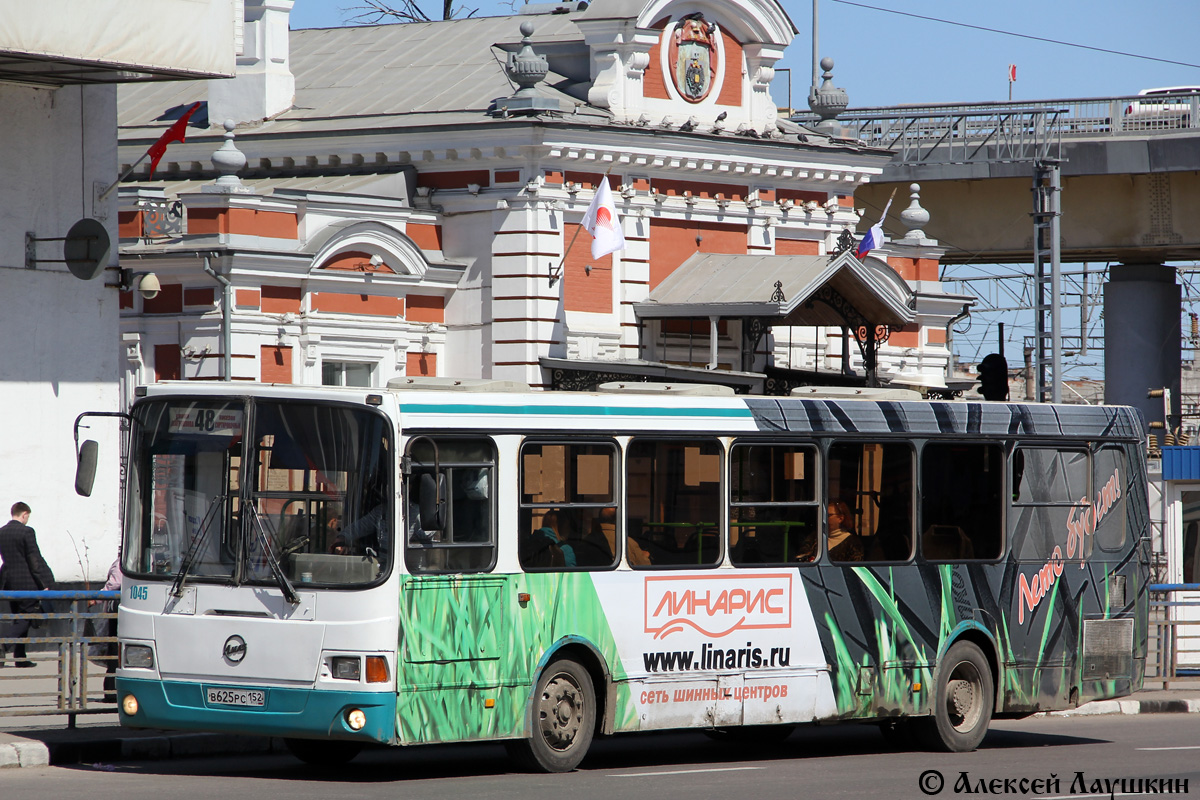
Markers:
point(137, 656)
point(346, 668)
point(356, 719)
point(129, 705)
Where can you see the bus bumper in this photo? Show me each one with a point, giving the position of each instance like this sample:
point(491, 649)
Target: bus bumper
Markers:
point(299, 713)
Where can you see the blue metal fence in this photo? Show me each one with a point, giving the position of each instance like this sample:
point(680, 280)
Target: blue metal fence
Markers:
point(69, 649)
point(1175, 632)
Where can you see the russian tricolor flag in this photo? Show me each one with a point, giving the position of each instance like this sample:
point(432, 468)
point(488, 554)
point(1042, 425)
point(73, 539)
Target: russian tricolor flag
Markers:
point(874, 237)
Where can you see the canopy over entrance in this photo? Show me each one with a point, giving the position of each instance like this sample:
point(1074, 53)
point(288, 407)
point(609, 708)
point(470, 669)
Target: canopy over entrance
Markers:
point(865, 296)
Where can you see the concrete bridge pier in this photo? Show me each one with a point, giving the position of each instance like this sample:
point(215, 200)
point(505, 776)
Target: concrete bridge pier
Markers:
point(1142, 337)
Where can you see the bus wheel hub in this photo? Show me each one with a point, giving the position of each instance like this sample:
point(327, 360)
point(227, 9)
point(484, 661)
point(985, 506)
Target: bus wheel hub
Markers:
point(561, 712)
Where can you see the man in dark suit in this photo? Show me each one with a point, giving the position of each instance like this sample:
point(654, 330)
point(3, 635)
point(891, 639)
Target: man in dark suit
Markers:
point(23, 569)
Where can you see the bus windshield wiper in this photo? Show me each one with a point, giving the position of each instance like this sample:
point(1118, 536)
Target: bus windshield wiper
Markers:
point(189, 558)
point(289, 591)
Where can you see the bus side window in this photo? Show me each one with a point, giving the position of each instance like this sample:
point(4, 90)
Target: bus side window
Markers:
point(1110, 472)
point(1052, 493)
point(772, 504)
point(449, 519)
point(568, 509)
point(962, 501)
point(673, 497)
point(869, 489)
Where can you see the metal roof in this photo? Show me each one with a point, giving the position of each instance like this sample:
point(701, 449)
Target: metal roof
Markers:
point(713, 284)
point(386, 72)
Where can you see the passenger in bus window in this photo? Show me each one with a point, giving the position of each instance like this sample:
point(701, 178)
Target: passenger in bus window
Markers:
point(587, 540)
point(541, 548)
point(635, 554)
point(844, 543)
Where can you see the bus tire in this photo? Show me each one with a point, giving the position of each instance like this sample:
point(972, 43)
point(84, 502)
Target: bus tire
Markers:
point(963, 701)
point(564, 720)
point(323, 752)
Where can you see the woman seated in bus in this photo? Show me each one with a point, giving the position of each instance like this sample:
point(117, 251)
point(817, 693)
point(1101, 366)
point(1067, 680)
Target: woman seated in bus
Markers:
point(843, 543)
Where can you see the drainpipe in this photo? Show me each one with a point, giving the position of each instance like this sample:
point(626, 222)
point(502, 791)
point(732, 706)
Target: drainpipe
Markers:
point(226, 319)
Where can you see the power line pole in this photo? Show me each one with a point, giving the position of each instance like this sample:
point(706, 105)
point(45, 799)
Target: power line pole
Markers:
point(1047, 210)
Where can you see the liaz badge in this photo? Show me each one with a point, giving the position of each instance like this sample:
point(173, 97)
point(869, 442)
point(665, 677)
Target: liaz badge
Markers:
point(695, 57)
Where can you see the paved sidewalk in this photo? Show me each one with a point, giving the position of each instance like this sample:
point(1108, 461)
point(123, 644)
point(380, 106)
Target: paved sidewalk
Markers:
point(100, 740)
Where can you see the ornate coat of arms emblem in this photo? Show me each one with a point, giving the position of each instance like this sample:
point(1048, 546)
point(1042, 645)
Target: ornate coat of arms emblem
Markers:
point(695, 56)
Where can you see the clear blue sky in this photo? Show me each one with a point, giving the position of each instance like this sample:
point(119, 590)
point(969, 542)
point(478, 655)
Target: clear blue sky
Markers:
point(884, 58)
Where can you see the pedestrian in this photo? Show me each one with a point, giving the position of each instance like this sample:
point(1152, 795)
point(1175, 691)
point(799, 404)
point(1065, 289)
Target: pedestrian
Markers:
point(107, 652)
point(23, 569)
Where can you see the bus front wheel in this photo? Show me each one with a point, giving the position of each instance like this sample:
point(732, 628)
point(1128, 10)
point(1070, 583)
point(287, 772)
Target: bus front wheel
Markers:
point(564, 720)
point(963, 702)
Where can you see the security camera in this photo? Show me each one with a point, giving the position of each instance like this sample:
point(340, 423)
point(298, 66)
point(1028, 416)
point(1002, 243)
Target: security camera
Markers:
point(149, 287)
point(146, 283)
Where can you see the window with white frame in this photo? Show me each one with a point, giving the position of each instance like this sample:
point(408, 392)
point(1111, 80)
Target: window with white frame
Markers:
point(347, 373)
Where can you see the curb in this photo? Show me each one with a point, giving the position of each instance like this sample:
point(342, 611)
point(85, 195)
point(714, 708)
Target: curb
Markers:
point(24, 753)
point(34, 753)
point(1102, 707)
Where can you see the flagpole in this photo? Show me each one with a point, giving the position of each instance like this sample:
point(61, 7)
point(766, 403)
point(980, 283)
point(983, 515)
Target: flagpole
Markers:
point(123, 176)
point(176, 132)
point(555, 274)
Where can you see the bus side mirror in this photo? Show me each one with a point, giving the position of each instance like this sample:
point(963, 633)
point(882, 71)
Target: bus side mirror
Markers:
point(433, 502)
point(85, 468)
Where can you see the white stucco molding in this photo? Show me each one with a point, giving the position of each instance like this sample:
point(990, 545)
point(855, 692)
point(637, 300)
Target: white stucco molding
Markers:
point(374, 238)
point(619, 36)
point(749, 20)
point(759, 21)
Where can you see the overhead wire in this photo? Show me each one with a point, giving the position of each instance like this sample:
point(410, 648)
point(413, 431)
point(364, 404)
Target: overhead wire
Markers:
point(1020, 35)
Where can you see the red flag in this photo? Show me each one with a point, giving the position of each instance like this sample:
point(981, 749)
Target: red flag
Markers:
point(175, 133)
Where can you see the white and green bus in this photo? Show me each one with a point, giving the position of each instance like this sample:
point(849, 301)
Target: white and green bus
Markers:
point(455, 561)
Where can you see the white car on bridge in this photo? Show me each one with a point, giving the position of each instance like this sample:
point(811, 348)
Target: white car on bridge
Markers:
point(1166, 107)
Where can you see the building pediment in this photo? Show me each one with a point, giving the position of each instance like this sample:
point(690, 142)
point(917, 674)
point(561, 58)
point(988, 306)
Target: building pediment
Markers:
point(686, 63)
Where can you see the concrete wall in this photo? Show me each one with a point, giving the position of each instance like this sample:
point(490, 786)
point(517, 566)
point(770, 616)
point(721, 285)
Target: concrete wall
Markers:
point(59, 334)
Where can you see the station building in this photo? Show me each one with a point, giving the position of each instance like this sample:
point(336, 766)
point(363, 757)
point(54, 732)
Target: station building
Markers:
point(363, 203)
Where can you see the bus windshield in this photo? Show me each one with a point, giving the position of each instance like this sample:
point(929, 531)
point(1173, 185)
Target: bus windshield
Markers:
point(268, 493)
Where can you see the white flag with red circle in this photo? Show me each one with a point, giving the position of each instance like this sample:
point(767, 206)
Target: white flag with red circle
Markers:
point(602, 223)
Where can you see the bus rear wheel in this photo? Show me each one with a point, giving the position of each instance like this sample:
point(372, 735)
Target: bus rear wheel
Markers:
point(963, 702)
point(323, 753)
point(564, 720)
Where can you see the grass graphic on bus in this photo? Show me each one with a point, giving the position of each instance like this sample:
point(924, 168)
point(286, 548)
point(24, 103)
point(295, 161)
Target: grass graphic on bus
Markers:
point(464, 636)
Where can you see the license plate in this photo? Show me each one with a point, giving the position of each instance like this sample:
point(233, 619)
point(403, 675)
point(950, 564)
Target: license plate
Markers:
point(236, 697)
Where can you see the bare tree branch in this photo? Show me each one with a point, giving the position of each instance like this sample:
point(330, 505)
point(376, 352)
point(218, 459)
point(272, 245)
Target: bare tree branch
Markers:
point(373, 12)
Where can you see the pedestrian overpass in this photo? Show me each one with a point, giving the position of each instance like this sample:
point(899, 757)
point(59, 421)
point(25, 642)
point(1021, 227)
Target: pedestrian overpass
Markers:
point(1043, 182)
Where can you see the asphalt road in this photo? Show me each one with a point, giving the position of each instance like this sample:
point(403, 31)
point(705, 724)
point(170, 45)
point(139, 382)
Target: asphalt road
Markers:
point(831, 762)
